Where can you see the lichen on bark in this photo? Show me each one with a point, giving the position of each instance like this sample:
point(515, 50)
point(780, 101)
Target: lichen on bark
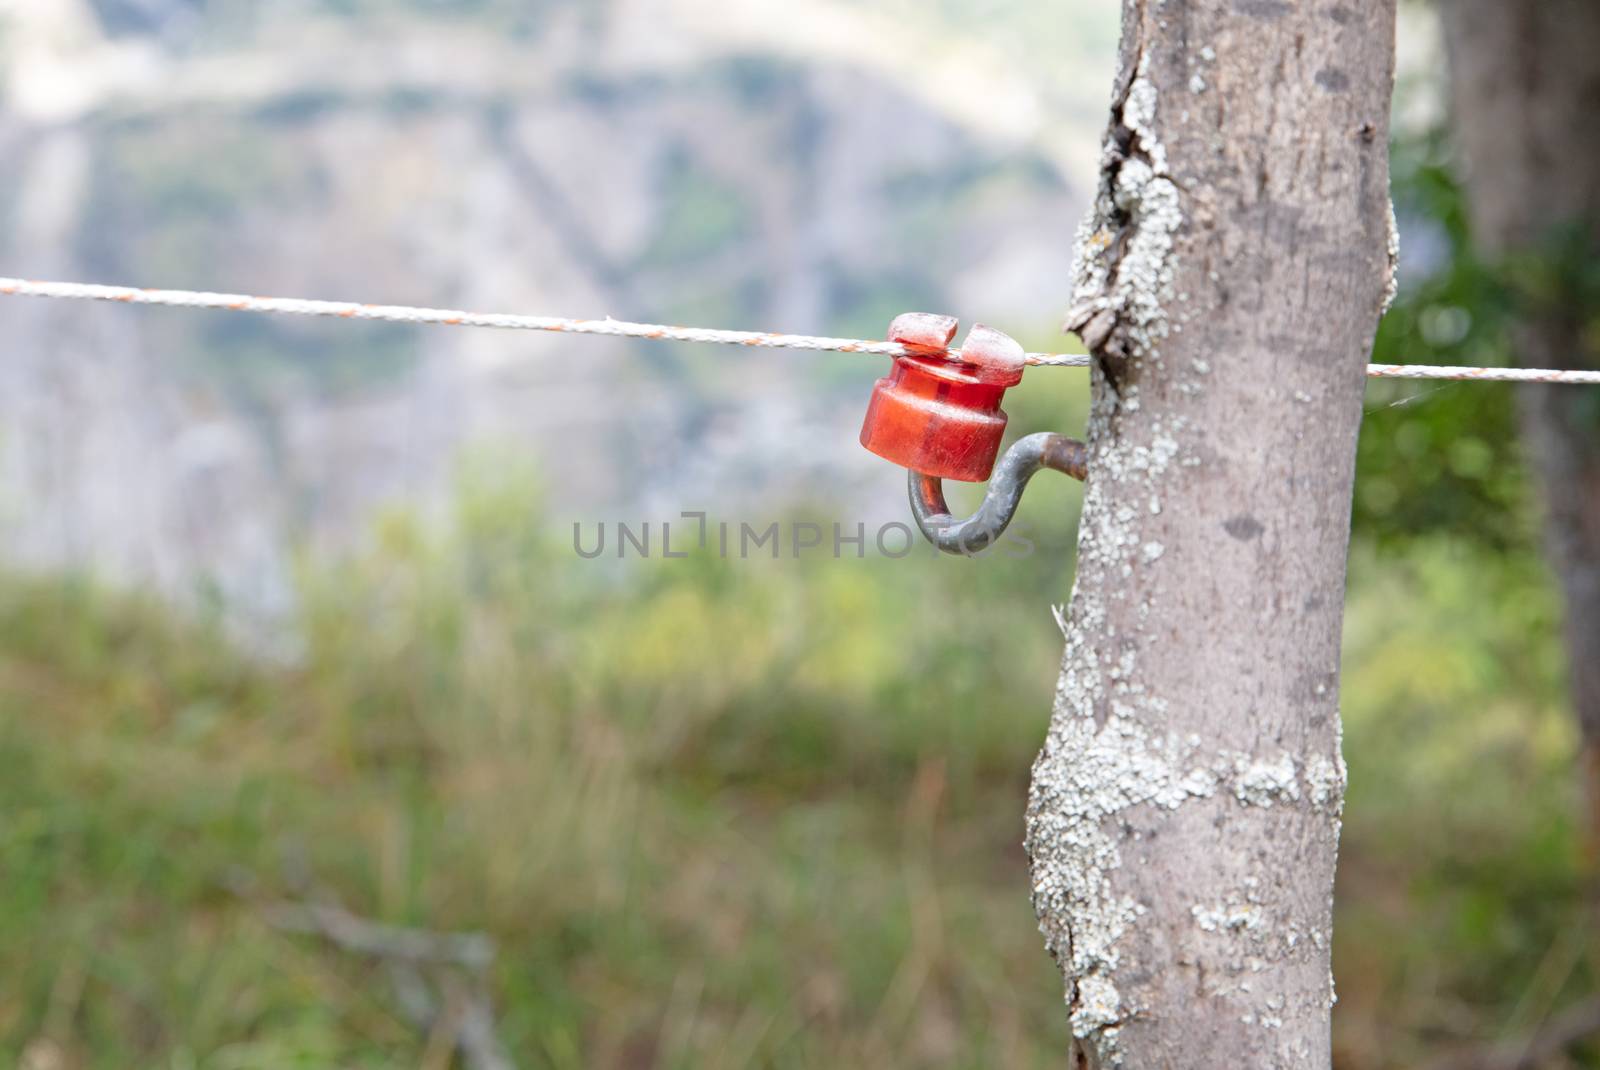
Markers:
point(1097, 760)
point(1122, 261)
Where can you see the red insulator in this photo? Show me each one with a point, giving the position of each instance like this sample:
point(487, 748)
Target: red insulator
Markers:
point(937, 416)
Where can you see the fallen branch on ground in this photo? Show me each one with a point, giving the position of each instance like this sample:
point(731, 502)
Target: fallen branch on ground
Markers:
point(409, 956)
point(1575, 1024)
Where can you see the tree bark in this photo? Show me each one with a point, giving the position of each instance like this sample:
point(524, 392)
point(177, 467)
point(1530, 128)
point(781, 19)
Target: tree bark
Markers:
point(1184, 813)
point(1525, 88)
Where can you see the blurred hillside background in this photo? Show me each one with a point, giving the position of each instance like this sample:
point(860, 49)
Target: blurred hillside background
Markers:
point(290, 611)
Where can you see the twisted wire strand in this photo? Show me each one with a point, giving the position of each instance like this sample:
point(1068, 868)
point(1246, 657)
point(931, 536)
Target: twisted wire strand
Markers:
point(296, 306)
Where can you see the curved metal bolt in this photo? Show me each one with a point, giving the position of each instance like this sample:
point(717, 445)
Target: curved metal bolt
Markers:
point(1016, 466)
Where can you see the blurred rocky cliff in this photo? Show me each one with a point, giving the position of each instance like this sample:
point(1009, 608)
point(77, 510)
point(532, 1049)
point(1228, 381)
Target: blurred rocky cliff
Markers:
point(800, 166)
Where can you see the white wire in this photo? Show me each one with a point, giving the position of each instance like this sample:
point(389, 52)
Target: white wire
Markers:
point(657, 331)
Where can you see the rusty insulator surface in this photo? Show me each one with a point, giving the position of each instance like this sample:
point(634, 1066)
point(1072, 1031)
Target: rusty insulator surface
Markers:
point(938, 416)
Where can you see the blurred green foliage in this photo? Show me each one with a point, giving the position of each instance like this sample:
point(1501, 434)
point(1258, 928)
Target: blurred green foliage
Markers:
point(1448, 457)
point(1442, 457)
point(1464, 906)
point(722, 812)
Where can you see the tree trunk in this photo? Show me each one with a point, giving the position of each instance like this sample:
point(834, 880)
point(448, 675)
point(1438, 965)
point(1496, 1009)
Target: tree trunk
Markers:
point(1525, 86)
point(1184, 813)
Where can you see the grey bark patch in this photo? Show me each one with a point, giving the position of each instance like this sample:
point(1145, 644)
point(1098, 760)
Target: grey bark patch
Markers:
point(1263, 9)
point(1332, 79)
point(1243, 527)
point(1341, 14)
point(1312, 686)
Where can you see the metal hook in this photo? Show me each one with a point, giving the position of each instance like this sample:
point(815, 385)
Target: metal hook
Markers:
point(1016, 466)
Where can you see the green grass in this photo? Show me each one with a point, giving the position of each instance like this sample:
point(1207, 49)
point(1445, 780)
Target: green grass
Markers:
point(713, 813)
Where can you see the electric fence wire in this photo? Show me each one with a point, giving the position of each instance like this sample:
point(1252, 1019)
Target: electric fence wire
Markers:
point(295, 306)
